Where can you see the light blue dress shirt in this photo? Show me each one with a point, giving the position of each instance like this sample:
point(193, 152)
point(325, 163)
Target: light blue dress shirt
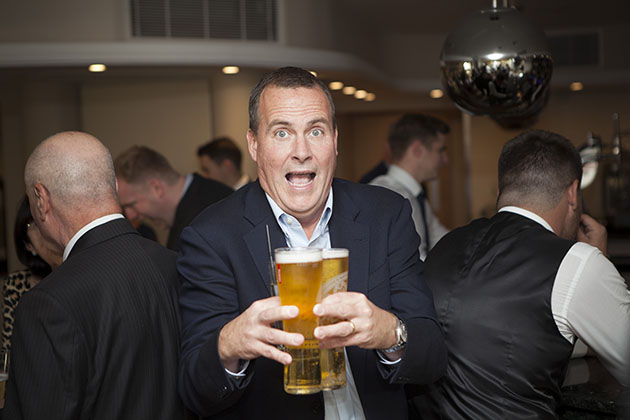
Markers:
point(343, 403)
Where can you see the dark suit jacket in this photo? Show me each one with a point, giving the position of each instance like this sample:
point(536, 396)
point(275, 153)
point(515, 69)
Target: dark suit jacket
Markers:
point(224, 266)
point(200, 194)
point(98, 338)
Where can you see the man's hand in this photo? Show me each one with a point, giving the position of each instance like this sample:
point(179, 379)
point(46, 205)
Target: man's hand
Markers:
point(250, 335)
point(593, 233)
point(374, 328)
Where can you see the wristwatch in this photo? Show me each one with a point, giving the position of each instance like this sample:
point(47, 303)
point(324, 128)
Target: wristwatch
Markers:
point(401, 337)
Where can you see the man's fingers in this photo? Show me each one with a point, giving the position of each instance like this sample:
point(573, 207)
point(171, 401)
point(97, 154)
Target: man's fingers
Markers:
point(340, 329)
point(273, 353)
point(278, 313)
point(279, 337)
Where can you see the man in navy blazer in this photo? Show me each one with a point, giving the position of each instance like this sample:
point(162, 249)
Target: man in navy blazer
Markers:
point(231, 366)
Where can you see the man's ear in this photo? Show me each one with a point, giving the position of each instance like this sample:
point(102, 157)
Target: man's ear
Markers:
point(252, 144)
point(227, 165)
point(156, 187)
point(42, 201)
point(573, 196)
point(417, 148)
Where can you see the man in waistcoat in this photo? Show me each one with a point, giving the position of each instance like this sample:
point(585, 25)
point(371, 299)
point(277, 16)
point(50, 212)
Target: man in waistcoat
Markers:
point(514, 292)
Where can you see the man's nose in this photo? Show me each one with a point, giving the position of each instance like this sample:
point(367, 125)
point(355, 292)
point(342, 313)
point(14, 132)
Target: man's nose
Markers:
point(302, 149)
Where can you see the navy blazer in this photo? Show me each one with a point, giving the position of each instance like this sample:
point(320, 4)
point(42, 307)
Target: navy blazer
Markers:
point(224, 267)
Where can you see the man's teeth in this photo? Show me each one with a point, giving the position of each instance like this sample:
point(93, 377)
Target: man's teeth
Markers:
point(300, 179)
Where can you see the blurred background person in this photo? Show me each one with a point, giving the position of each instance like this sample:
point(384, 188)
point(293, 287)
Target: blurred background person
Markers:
point(221, 160)
point(149, 187)
point(38, 255)
point(417, 144)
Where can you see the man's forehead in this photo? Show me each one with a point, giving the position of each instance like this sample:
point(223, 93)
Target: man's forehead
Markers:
point(277, 102)
point(129, 190)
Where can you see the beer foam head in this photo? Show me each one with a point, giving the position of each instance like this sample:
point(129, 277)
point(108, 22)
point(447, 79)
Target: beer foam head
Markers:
point(297, 255)
point(335, 253)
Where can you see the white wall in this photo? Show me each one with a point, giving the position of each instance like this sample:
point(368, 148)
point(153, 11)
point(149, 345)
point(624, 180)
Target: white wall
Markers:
point(170, 116)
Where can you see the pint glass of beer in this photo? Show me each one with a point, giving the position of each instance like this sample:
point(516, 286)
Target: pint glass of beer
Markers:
point(299, 274)
point(334, 279)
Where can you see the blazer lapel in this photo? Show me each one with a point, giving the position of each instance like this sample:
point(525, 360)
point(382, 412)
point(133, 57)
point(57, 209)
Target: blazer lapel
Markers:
point(259, 214)
point(346, 232)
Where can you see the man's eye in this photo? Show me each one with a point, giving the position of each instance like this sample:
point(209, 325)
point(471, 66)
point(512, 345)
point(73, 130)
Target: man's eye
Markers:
point(317, 132)
point(282, 134)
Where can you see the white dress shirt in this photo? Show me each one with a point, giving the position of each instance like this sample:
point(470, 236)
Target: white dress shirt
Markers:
point(591, 301)
point(94, 223)
point(399, 180)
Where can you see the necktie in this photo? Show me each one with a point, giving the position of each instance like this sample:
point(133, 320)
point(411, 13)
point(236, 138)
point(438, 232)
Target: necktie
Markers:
point(421, 196)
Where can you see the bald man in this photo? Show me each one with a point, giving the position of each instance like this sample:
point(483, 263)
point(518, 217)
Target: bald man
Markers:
point(99, 337)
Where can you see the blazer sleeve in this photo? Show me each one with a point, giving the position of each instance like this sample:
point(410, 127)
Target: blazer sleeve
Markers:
point(424, 359)
point(208, 300)
point(47, 347)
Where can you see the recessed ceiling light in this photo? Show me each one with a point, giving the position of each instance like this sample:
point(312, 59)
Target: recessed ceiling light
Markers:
point(230, 69)
point(360, 94)
point(335, 85)
point(314, 73)
point(349, 90)
point(370, 97)
point(495, 56)
point(97, 68)
point(436, 93)
point(576, 86)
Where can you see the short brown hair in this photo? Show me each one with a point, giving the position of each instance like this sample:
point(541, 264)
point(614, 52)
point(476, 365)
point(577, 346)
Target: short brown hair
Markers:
point(286, 77)
point(220, 149)
point(537, 166)
point(412, 127)
point(138, 163)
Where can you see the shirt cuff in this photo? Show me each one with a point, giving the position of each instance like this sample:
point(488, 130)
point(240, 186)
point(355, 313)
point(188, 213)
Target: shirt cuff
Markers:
point(240, 373)
point(384, 360)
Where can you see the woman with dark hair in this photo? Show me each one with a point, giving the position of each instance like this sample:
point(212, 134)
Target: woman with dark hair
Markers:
point(37, 254)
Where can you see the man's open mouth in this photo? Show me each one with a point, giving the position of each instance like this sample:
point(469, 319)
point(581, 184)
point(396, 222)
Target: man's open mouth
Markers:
point(300, 179)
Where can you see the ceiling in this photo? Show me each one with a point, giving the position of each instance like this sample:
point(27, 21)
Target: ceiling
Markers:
point(421, 16)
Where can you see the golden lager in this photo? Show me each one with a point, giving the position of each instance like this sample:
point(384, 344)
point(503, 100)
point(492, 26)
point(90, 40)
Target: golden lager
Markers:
point(299, 273)
point(334, 279)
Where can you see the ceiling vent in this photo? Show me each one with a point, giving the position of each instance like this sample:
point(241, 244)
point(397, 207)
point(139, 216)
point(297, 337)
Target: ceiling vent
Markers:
point(576, 49)
point(206, 19)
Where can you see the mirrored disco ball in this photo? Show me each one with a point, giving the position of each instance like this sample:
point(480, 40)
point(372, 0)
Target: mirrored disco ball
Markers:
point(497, 62)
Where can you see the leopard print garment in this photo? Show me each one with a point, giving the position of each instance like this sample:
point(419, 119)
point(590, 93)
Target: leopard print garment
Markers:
point(15, 285)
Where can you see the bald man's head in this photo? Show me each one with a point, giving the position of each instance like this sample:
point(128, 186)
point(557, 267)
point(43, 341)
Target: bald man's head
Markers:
point(76, 169)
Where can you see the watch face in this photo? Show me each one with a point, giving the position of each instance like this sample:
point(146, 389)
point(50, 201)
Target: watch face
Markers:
point(401, 332)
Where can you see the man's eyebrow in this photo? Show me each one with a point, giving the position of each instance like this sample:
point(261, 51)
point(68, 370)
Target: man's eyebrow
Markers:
point(273, 123)
point(318, 121)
